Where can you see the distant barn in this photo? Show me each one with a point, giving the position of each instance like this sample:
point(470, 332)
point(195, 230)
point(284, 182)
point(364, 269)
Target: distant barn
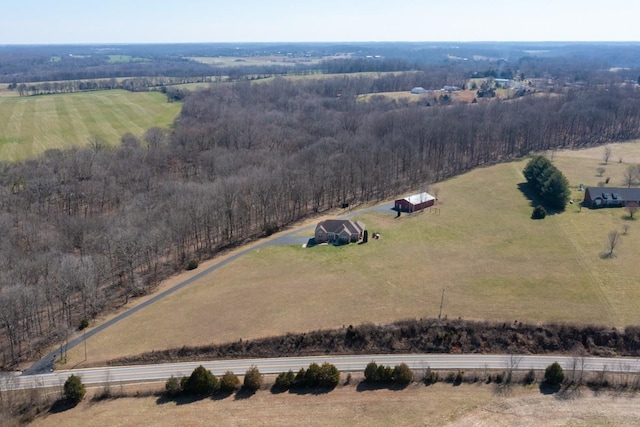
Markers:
point(414, 203)
point(605, 197)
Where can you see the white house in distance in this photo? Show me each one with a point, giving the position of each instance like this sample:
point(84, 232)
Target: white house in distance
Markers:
point(415, 202)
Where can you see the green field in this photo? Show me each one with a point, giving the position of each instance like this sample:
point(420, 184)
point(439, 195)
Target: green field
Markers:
point(31, 125)
point(491, 259)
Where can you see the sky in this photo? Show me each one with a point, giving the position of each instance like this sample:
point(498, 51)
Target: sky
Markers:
point(157, 21)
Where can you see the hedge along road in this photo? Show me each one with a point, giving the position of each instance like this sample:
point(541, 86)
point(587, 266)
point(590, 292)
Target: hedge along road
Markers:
point(46, 363)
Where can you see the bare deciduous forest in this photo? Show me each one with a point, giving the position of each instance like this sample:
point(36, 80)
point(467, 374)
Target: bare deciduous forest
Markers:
point(87, 229)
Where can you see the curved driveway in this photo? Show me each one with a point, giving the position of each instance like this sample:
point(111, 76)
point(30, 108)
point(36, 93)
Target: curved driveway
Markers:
point(46, 364)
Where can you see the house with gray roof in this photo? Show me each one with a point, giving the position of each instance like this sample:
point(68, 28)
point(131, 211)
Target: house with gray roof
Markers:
point(339, 231)
point(606, 197)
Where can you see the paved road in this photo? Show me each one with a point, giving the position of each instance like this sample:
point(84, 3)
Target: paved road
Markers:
point(160, 372)
point(46, 364)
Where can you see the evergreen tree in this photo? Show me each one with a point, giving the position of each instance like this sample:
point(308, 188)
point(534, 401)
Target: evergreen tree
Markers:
point(555, 191)
point(371, 372)
point(285, 380)
point(547, 182)
point(172, 387)
point(402, 374)
point(201, 381)
point(329, 376)
point(252, 379)
point(74, 390)
point(229, 382)
point(553, 375)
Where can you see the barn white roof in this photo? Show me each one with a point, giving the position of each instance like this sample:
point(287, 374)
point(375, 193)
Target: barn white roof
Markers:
point(419, 198)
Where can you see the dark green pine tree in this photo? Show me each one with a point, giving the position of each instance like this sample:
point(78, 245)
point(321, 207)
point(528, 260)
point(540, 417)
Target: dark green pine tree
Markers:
point(555, 191)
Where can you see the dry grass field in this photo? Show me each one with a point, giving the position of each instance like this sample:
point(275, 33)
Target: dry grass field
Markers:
point(232, 61)
point(5, 92)
point(437, 405)
point(34, 124)
point(483, 249)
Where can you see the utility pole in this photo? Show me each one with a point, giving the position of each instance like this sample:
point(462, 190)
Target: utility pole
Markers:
point(441, 301)
point(84, 338)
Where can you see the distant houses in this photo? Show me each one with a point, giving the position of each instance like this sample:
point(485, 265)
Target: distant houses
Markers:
point(415, 202)
point(503, 83)
point(604, 197)
point(339, 231)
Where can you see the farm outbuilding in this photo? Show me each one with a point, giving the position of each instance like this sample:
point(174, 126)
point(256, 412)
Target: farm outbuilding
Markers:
point(339, 231)
point(604, 197)
point(415, 202)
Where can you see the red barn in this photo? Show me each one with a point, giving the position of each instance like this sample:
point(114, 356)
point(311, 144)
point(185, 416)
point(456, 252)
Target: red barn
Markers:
point(414, 203)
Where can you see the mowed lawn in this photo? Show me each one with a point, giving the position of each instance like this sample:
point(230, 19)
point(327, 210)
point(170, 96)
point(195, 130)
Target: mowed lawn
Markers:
point(492, 261)
point(30, 125)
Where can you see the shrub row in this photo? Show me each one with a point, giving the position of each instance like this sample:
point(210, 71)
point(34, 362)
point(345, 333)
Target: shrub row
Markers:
point(324, 376)
point(380, 374)
point(203, 382)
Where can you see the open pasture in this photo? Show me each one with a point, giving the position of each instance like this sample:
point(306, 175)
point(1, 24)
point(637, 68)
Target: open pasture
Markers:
point(492, 261)
point(234, 61)
point(30, 125)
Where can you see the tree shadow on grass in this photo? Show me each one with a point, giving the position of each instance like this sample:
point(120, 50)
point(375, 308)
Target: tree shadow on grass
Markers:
point(314, 391)
point(243, 394)
point(278, 390)
point(61, 405)
point(534, 199)
point(181, 399)
point(221, 395)
point(607, 255)
point(549, 389)
point(364, 386)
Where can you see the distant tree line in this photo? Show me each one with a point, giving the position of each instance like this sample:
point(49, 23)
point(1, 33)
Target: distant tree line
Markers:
point(137, 84)
point(41, 69)
point(86, 229)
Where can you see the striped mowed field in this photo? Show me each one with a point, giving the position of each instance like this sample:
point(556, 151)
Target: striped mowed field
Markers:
point(31, 125)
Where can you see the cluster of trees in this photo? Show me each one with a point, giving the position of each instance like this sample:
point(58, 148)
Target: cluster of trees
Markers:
point(324, 376)
point(202, 382)
point(547, 182)
point(400, 375)
point(86, 229)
